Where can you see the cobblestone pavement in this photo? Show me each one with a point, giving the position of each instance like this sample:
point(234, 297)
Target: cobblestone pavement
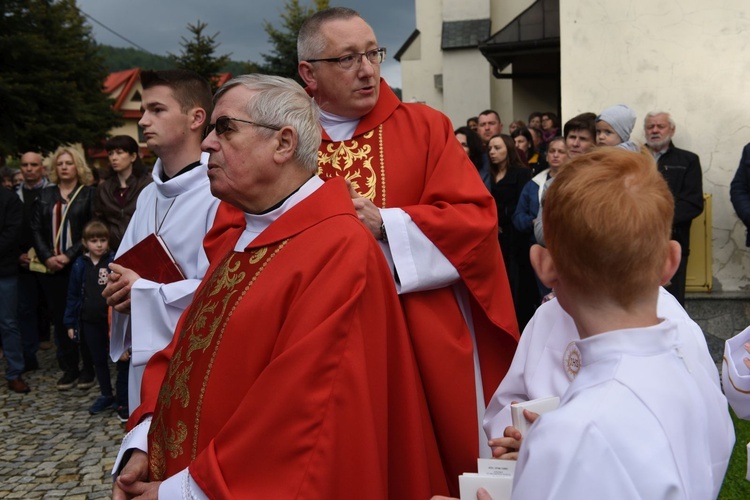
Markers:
point(50, 447)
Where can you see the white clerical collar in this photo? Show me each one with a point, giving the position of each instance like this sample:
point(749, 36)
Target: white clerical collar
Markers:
point(256, 224)
point(338, 128)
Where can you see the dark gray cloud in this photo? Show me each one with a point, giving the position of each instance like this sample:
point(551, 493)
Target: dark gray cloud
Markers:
point(159, 25)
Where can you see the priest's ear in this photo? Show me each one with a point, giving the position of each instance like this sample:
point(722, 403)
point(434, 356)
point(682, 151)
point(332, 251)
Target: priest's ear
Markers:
point(545, 268)
point(286, 145)
point(307, 73)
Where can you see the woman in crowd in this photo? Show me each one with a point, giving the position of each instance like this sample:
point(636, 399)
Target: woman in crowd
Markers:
point(535, 120)
point(472, 144)
point(528, 209)
point(524, 144)
point(117, 195)
point(57, 221)
point(550, 126)
point(515, 125)
point(509, 176)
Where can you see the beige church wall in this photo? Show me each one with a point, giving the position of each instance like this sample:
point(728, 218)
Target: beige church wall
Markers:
point(418, 76)
point(460, 10)
point(467, 80)
point(686, 57)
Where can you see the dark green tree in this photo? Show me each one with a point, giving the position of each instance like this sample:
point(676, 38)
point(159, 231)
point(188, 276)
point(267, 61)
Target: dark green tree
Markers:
point(282, 60)
point(198, 54)
point(51, 78)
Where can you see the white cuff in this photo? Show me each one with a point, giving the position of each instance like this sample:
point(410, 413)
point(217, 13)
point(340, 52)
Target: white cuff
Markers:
point(418, 263)
point(181, 485)
point(136, 439)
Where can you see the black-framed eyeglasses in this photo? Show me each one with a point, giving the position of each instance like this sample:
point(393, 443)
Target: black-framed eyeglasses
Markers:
point(374, 56)
point(222, 125)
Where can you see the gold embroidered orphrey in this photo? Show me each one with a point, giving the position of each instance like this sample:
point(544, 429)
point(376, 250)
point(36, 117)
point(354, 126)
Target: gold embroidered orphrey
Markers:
point(572, 361)
point(359, 160)
point(202, 332)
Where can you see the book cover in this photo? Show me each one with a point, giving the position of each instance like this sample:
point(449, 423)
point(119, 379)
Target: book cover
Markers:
point(540, 406)
point(152, 260)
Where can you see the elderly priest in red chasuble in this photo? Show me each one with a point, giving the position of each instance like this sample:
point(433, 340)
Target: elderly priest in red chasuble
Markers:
point(291, 374)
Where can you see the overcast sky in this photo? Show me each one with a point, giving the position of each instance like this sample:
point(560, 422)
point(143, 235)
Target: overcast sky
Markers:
point(159, 25)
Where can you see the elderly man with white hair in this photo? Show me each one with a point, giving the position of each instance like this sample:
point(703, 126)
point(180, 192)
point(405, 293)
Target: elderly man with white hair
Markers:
point(682, 171)
point(291, 373)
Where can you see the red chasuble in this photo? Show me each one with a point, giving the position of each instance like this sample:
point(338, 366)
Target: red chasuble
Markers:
point(291, 374)
point(406, 156)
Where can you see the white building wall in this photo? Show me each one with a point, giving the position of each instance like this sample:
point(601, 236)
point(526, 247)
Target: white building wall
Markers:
point(466, 83)
point(418, 75)
point(682, 56)
point(460, 10)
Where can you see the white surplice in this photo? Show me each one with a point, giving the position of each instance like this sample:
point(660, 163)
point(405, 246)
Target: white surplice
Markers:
point(181, 211)
point(640, 420)
point(544, 363)
point(736, 378)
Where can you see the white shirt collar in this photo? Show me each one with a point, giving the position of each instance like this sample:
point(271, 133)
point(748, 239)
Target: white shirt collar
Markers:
point(256, 224)
point(338, 128)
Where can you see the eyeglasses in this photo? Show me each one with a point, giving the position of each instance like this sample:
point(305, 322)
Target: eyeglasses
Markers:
point(222, 125)
point(374, 56)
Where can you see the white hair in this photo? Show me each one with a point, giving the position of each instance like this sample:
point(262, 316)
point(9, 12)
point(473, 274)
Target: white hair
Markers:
point(652, 114)
point(281, 102)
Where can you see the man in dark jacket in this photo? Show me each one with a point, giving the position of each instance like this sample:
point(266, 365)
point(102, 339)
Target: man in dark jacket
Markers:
point(10, 229)
point(739, 190)
point(33, 325)
point(682, 171)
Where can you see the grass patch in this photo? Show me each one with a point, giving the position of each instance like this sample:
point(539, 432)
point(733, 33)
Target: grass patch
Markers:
point(735, 486)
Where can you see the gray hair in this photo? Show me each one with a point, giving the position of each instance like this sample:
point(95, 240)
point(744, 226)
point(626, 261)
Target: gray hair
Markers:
point(310, 40)
point(652, 114)
point(281, 102)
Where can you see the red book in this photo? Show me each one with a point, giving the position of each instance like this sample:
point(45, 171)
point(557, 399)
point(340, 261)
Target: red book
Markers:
point(152, 260)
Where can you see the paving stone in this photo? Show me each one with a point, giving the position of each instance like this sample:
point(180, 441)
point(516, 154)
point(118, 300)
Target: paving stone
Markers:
point(51, 447)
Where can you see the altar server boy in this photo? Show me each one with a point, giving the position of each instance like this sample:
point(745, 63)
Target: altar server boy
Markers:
point(636, 421)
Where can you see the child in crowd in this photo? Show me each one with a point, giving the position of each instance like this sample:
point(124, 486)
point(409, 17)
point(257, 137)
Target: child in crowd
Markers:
point(86, 309)
point(613, 128)
point(642, 416)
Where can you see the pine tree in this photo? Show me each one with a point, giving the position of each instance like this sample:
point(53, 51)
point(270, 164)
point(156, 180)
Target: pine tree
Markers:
point(51, 77)
point(282, 60)
point(198, 54)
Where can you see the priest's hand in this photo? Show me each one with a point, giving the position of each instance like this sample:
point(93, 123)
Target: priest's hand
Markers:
point(133, 479)
point(367, 212)
point(117, 291)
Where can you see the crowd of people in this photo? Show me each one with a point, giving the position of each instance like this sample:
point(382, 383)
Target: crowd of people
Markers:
point(519, 167)
point(352, 275)
point(61, 236)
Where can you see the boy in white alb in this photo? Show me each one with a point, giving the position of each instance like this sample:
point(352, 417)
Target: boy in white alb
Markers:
point(735, 374)
point(178, 206)
point(639, 416)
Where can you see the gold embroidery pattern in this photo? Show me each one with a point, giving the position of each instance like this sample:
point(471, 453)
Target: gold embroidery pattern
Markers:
point(382, 166)
point(254, 258)
point(175, 386)
point(207, 316)
point(353, 160)
point(572, 361)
